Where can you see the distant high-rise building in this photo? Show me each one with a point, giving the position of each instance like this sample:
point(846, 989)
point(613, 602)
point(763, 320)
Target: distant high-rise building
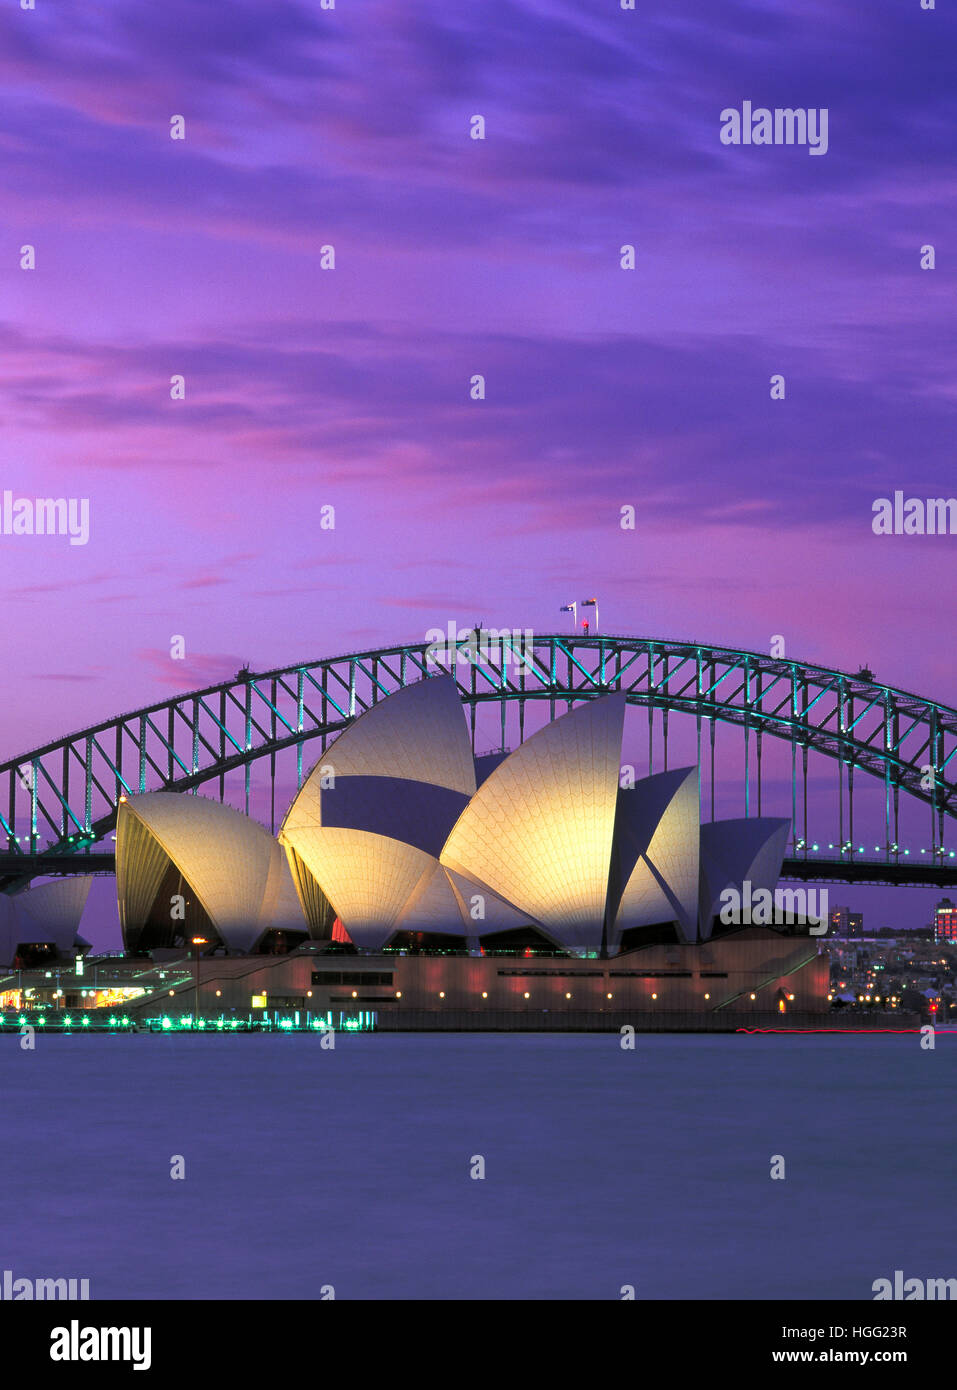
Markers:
point(846, 923)
point(945, 921)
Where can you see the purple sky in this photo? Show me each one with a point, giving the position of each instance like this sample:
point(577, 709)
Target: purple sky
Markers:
point(350, 387)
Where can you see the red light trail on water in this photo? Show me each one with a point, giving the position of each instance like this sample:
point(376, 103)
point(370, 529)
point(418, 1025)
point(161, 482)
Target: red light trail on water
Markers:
point(943, 1032)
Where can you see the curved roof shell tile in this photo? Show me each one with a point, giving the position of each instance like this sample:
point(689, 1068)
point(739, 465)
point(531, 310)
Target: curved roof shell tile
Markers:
point(233, 865)
point(538, 832)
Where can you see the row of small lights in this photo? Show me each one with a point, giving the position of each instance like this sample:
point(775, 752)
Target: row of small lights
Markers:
point(398, 995)
point(124, 1022)
point(67, 1021)
point(221, 1023)
point(202, 1024)
point(441, 993)
point(874, 998)
point(890, 849)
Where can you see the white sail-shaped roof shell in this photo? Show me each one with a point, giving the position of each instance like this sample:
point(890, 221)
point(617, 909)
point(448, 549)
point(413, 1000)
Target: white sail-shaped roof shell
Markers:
point(280, 907)
point(484, 911)
point(658, 831)
point(538, 832)
point(733, 851)
point(233, 865)
point(369, 879)
point(418, 734)
point(55, 907)
point(420, 813)
point(378, 886)
point(434, 906)
point(446, 902)
point(49, 914)
point(645, 901)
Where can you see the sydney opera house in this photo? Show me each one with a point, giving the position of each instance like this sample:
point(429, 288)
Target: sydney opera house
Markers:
point(430, 887)
point(42, 924)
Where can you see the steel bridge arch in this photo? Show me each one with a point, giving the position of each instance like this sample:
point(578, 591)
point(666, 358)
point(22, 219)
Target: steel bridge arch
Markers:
point(61, 799)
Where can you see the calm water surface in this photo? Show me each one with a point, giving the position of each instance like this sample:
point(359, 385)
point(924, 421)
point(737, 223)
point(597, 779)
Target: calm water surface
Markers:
point(307, 1167)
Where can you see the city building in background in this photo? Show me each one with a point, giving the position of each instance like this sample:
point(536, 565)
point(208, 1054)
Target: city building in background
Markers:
point(945, 920)
point(847, 924)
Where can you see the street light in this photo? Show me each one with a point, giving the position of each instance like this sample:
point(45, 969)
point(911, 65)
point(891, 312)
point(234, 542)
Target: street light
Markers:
point(197, 942)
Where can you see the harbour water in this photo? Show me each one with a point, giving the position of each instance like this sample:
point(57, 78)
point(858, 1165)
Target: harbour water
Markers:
point(308, 1168)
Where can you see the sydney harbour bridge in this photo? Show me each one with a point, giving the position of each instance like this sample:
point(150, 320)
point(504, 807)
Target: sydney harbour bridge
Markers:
point(843, 735)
